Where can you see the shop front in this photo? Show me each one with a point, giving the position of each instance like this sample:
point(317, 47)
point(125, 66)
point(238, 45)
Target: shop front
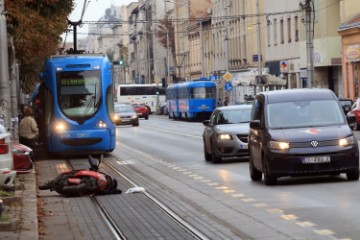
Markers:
point(350, 34)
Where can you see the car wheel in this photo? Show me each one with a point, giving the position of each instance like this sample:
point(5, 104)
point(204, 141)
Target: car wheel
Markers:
point(356, 126)
point(214, 156)
point(353, 175)
point(255, 174)
point(269, 179)
point(207, 156)
point(147, 117)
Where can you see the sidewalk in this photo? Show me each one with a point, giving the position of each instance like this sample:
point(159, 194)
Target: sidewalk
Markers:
point(23, 222)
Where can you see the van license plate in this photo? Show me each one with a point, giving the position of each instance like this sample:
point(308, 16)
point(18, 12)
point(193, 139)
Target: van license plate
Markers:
point(316, 159)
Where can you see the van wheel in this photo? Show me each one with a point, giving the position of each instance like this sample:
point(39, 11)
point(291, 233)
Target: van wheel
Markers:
point(353, 175)
point(269, 179)
point(214, 157)
point(356, 126)
point(255, 174)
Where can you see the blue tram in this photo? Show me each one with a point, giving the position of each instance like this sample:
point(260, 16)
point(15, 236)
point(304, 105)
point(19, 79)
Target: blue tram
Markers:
point(78, 104)
point(192, 100)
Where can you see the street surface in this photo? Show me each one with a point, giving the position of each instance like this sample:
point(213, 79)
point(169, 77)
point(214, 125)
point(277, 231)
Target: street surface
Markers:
point(188, 198)
point(170, 153)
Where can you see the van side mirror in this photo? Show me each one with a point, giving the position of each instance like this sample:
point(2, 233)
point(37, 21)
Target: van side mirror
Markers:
point(206, 122)
point(255, 124)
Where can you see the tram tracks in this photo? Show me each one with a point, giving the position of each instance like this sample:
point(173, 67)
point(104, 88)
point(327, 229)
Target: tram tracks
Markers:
point(109, 218)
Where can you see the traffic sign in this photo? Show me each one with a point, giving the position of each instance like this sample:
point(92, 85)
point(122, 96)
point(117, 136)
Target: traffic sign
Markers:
point(213, 78)
point(228, 86)
point(227, 76)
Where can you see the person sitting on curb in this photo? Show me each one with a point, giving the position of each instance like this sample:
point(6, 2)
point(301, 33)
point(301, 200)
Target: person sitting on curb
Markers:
point(28, 129)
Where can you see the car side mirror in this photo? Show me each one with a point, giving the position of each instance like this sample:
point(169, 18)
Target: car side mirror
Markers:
point(255, 124)
point(206, 122)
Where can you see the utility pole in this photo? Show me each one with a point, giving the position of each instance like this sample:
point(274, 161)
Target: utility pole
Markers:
point(4, 71)
point(14, 90)
point(308, 8)
point(258, 40)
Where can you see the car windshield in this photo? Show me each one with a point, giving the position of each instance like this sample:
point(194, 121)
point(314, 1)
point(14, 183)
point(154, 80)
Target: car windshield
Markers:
point(234, 116)
point(123, 108)
point(304, 114)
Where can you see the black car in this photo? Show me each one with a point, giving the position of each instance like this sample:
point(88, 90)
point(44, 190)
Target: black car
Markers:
point(300, 132)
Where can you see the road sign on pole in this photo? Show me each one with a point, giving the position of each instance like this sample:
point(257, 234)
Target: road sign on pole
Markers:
point(228, 86)
point(227, 76)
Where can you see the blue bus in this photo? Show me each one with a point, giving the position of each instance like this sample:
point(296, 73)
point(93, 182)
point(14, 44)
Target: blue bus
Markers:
point(78, 105)
point(192, 100)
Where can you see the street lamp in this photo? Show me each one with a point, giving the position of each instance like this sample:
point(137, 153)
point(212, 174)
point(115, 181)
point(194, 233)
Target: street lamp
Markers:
point(167, 51)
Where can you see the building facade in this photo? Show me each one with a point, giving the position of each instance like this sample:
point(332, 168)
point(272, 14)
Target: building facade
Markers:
point(350, 44)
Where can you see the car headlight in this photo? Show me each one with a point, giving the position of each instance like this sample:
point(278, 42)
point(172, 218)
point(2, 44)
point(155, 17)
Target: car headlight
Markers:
point(134, 116)
point(344, 142)
point(224, 136)
point(279, 145)
point(116, 117)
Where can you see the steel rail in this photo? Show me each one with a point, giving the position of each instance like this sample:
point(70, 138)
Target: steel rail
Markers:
point(197, 234)
point(114, 229)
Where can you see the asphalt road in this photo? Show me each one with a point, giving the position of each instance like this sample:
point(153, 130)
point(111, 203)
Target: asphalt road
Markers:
point(170, 153)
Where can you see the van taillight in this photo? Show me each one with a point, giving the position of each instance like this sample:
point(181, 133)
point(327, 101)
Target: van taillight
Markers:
point(4, 148)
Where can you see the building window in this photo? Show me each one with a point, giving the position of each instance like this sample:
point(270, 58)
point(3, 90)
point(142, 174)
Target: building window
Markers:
point(289, 29)
point(296, 26)
point(281, 31)
point(275, 32)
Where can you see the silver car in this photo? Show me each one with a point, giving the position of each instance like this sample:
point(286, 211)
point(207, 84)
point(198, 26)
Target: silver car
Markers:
point(226, 133)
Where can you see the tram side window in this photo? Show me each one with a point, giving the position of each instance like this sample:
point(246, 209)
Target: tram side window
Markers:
point(202, 93)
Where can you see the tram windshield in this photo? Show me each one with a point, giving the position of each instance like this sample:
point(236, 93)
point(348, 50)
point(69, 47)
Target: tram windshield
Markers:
point(79, 93)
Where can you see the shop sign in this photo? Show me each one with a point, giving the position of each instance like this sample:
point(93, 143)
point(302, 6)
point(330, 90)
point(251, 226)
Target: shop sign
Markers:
point(352, 52)
point(283, 66)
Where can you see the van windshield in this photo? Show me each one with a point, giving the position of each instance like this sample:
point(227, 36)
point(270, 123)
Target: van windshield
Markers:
point(304, 114)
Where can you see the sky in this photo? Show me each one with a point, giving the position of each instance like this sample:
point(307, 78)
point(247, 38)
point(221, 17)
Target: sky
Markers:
point(94, 10)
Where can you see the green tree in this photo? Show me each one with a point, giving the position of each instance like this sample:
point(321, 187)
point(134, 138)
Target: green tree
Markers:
point(36, 26)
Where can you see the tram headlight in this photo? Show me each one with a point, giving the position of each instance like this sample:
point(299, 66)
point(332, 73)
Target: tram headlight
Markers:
point(101, 124)
point(60, 127)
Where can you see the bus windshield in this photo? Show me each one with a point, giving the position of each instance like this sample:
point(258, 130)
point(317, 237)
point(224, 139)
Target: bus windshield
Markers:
point(79, 93)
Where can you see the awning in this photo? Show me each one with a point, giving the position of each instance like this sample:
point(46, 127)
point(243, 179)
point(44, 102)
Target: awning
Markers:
point(270, 80)
point(273, 80)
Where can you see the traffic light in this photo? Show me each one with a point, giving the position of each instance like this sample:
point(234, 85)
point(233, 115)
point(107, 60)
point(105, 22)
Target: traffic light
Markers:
point(119, 62)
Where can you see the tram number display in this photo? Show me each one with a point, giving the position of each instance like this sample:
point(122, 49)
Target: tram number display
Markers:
point(78, 81)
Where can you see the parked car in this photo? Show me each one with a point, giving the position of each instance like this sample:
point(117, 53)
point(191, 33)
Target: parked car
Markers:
point(141, 110)
point(346, 104)
point(300, 132)
point(226, 133)
point(355, 111)
point(125, 115)
point(7, 174)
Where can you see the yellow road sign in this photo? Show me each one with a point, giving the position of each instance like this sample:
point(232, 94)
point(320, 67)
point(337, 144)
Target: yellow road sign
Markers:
point(227, 76)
